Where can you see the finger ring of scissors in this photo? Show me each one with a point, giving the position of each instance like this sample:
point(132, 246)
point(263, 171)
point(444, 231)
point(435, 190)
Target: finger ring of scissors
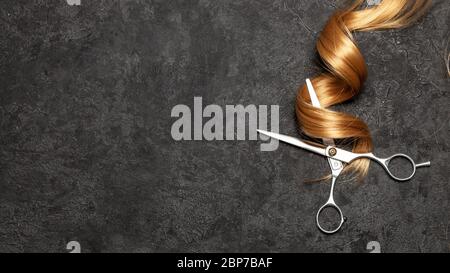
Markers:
point(336, 168)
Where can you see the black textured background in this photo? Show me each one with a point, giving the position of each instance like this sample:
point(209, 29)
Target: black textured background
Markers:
point(86, 152)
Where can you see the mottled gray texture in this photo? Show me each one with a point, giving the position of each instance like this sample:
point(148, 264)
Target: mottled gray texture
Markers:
point(86, 152)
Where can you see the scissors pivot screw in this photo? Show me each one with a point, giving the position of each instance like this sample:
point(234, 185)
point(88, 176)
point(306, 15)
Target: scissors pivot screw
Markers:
point(332, 152)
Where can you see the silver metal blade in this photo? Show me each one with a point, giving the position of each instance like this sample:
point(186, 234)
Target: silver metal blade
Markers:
point(295, 141)
point(334, 164)
point(316, 103)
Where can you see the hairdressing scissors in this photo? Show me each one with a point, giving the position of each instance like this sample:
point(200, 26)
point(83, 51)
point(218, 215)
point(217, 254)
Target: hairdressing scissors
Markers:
point(336, 159)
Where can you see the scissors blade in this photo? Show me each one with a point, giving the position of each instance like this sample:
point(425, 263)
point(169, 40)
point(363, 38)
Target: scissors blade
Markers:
point(295, 141)
point(316, 103)
point(334, 164)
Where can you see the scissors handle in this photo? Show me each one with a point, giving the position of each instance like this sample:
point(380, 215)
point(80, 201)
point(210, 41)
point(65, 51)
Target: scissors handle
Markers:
point(330, 204)
point(385, 163)
point(411, 165)
point(348, 157)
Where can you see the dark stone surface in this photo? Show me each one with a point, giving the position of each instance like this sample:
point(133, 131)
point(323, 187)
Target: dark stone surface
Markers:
point(86, 152)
